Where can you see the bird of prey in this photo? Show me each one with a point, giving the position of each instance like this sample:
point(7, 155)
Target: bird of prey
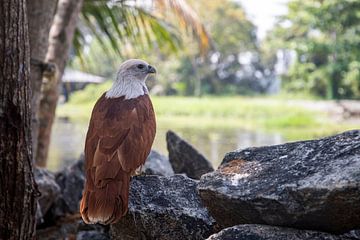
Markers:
point(119, 139)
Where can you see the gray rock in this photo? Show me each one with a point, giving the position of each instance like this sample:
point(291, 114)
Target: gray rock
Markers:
point(93, 235)
point(184, 158)
point(38, 215)
point(353, 234)
point(263, 232)
point(157, 164)
point(72, 227)
point(307, 185)
point(62, 230)
point(164, 208)
point(49, 190)
point(71, 181)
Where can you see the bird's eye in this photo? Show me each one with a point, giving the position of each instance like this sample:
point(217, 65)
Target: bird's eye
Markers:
point(140, 66)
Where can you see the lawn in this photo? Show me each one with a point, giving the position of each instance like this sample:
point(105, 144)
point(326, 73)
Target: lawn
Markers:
point(269, 114)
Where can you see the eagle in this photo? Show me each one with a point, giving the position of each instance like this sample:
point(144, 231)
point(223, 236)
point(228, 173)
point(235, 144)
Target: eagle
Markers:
point(121, 132)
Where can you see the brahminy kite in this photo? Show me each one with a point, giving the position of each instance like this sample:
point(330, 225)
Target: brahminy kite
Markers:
point(119, 139)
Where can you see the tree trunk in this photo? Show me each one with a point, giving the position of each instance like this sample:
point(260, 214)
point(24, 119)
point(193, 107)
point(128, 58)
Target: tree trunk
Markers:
point(60, 39)
point(17, 185)
point(40, 16)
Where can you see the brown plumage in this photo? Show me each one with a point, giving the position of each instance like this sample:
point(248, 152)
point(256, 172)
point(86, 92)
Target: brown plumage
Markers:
point(118, 141)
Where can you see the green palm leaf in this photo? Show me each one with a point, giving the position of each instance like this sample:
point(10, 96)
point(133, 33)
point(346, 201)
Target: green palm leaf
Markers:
point(124, 23)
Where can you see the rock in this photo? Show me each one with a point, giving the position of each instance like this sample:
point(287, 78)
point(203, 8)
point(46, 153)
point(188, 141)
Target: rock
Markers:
point(62, 230)
point(49, 190)
point(353, 234)
point(307, 185)
point(72, 227)
point(71, 181)
point(263, 232)
point(93, 235)
point(38, 215)
point(184, 158)
point(157, 164)
point(164, 208)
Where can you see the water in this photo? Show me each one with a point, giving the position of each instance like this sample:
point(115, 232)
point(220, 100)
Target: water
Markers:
point(67, 141)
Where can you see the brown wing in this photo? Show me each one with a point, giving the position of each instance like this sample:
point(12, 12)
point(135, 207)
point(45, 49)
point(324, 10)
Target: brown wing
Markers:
point(119, 139)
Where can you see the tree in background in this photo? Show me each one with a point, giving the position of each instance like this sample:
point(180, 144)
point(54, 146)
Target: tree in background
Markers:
point(60, 39)
point(40, 16)
point(235, 65)
point(17, 185)
point(325, 34)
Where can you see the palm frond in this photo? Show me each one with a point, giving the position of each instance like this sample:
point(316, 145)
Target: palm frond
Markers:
point(187, 18)
point(127, 23)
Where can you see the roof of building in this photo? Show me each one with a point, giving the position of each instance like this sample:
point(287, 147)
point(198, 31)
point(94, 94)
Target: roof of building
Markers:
point(71, 75)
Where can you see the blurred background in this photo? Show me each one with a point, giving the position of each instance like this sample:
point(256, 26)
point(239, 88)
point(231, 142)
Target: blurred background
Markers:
point(231, 74)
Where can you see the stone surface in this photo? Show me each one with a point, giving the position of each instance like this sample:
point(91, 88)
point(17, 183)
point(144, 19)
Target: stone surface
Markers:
point(157, 164)
point(263, 232)
point(93, 235)
point(72, 227)
point(353, 234)
point(38, 215)
point(48, 189)
point(184, 158)
point(62, 230)
point(307, 185)
point(71, 181)
point(164, 208)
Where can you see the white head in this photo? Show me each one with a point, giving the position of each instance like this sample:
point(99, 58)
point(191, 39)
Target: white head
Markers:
point(130, 79)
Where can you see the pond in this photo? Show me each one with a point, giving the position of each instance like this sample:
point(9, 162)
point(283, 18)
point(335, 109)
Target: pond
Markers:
point(67, 141)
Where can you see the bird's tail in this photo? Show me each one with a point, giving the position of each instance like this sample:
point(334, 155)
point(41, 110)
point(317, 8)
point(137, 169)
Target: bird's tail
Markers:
point(105, 201)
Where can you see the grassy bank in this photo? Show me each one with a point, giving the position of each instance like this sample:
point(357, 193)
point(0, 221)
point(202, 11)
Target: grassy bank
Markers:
point(269, 114)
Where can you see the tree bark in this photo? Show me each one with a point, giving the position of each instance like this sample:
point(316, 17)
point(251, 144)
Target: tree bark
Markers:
point(17, 186)
point(40, 16)
point(60, 39)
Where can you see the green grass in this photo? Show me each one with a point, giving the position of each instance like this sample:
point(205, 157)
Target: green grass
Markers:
point(269, 114)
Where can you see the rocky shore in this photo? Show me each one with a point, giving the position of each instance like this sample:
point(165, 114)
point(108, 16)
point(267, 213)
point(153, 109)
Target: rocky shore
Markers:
point(298, 190)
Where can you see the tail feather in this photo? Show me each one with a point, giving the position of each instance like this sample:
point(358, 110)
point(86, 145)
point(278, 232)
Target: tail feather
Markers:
point(105, 203)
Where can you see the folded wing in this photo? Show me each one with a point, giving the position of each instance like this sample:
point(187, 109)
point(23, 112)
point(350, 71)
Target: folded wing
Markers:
point(119, 139)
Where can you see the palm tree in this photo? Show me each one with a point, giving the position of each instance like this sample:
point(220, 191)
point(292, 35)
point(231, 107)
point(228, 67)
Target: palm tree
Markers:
point(131, 22)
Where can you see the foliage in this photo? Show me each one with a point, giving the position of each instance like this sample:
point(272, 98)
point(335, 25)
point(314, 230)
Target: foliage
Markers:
point(125, 25)
point(235, 66)
point(318, 41)
point(221, 71)
point(325, 36)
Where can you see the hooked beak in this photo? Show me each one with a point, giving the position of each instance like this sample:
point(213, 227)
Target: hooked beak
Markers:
point(151, 69)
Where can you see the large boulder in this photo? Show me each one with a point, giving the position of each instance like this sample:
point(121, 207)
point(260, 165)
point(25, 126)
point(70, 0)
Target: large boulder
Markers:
point(184, 158)
point(164, 208)
point(307, 185)
point(263, 232)
point(71, 181)
point(49, 190)
point(157, 164)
